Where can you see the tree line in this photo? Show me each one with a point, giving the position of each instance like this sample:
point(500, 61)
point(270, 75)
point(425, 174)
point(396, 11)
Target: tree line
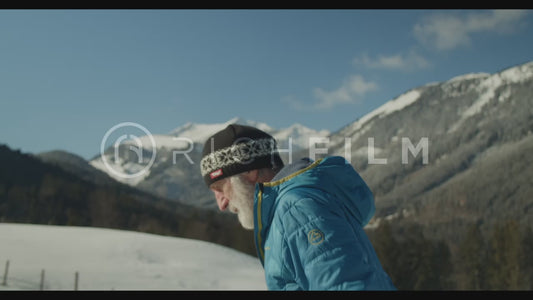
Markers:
point(501, 259)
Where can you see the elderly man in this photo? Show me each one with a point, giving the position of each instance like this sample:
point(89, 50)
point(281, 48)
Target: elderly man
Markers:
point(308, 217)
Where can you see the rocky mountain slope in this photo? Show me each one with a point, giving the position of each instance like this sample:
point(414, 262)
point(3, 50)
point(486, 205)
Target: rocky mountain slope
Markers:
point(449, 153)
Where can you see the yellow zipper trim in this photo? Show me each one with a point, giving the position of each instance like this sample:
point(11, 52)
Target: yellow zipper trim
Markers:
point(260, 200)
point(259, 224)
point(289, 177)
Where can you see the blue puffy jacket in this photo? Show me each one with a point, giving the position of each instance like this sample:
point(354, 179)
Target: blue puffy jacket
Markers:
point(309, 230)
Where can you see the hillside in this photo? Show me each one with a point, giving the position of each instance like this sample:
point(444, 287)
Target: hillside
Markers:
point(32, 191)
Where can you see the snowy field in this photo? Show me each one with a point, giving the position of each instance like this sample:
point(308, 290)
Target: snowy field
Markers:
point(107, 259)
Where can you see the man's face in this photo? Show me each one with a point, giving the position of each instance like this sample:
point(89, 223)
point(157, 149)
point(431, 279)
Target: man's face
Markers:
point(222, 190)
point(236, 193)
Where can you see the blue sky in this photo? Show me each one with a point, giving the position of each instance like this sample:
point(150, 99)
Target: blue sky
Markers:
point(67, 76)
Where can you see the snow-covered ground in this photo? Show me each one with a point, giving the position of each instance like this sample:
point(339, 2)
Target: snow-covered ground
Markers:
point(107, 259)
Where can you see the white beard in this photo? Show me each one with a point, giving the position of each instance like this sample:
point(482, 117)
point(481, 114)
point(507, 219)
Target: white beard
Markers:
point(242, 201)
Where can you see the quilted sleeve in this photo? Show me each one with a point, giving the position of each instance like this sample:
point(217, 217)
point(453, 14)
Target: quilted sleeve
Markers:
point(326, 251)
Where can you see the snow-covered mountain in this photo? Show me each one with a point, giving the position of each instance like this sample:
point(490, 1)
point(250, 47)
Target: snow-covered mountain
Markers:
point(449, 154)
point(174, 172)
point(110, 259)
point(199, 133)
point(443, 107)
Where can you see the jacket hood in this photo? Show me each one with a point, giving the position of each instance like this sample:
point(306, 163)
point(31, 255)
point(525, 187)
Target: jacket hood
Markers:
point(332, 175)
point(336, 176)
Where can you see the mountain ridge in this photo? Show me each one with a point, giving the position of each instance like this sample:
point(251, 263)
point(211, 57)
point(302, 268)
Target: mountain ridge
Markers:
point(175, 172)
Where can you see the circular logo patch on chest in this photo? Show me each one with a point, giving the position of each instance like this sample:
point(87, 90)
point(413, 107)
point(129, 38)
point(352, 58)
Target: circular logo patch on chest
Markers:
point(315, 237)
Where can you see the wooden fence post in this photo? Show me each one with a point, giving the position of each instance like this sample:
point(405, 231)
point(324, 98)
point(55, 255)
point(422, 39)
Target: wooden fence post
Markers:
point(42, 280)
point(4, 282)
point(76, 277)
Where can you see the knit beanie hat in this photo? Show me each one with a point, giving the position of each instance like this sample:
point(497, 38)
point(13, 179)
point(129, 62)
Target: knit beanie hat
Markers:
point(237, 149)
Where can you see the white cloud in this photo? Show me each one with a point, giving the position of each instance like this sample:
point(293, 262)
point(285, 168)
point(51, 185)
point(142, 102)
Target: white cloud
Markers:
point(449, 31)
point(351, 91)
point(405, 62)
